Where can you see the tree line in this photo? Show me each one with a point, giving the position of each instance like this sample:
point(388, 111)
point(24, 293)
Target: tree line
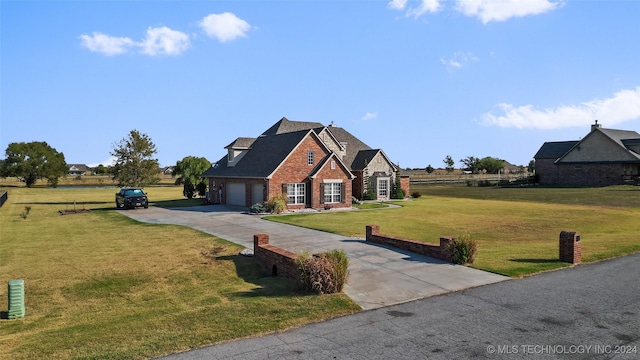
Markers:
point(475, 165)
point(135, 164)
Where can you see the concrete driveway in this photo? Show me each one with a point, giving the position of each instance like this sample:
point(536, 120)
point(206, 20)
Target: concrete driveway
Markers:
point(378, 276)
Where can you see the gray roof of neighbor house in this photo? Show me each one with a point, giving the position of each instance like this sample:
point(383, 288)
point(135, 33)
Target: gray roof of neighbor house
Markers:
point(255, 164)
point(78, 167)
point(286, 126)
point(621, 136)
point(554, 150)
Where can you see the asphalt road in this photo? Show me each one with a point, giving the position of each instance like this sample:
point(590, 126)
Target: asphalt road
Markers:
point(585, 312)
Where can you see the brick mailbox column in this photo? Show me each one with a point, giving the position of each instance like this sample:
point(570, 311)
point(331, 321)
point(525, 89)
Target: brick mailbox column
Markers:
point(570, 247)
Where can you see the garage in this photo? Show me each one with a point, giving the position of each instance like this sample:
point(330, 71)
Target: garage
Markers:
point(236, 194)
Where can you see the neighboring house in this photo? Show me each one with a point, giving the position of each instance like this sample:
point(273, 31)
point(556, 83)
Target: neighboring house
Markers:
point(603, 157)
point(78, 169)
point(312, 165)
point(167, 170)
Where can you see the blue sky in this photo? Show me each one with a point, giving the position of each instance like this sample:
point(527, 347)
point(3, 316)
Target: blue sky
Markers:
point(419, 79)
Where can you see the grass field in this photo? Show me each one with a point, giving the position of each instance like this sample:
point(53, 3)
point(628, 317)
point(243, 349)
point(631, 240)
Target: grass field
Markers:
point(99, 285)
point(517, 229)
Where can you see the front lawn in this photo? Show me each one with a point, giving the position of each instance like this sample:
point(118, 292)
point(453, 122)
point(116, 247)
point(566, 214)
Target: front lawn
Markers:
point(517, 229)
point(99, 285)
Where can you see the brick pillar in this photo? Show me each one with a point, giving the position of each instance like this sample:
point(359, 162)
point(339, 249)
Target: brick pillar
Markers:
point(259, 239)
point(445, 243)
point(372, 230)
point(570, 247)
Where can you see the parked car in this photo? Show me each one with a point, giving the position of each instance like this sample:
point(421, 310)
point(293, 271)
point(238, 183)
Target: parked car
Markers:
point(131, 197)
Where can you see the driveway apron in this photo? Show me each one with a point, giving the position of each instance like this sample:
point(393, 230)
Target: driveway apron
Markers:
point(378, 275)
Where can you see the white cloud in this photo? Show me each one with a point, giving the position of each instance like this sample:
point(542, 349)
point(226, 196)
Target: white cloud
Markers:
point(164, 41)
point(109, 162)
point(501, 10)
point(458, 60)
point(157, 41)
point(422, 8)
point(485, 10)
point(622, 106)
point(369, 116)
point(105, 44)
point(224, 27)
point(397, 4)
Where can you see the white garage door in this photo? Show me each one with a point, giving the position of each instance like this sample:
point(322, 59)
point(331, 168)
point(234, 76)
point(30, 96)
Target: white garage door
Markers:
point(257, 193)
point(236, 194)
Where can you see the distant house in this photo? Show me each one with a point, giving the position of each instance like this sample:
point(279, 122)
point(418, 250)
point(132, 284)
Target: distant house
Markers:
point(311, 165)
point(603, 157)
point(78, 169)
point(167, 170)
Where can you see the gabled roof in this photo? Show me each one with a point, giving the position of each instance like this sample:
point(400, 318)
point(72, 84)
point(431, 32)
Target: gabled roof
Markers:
point(363, 158)
point(554, 150)
point(255, 164)
point(241, 143)
point(78, 167)
point(286, 126)
point(322, 163)
point(353, 145)
point(620, 136)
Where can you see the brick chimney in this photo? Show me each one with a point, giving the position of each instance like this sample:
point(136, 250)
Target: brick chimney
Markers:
point(596, 126)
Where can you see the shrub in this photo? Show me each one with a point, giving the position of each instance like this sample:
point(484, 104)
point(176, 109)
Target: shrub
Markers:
point(325, 273)
point(463, 250)
point(416, 194)
point(277, 204)
point(258, 208)
point(340, 262)
point(27, 210)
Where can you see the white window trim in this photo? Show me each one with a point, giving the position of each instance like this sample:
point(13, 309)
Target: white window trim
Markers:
point(310, 158)
point(334, 194)
point(298, 195)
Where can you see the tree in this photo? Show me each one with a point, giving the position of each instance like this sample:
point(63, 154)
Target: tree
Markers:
point(188, 171)
point(135, 165)
point(470, 163)
point(32, 161)
point(532, 167)
point(448, 162)
point(101, 170)
point(491, 165)
point(397, 192)
point(429, 169)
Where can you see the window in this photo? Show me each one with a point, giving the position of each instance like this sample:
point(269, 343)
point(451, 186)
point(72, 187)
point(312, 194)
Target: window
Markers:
point(332, 193)
point(333, 165)
point(295, 194)
point(383, 188)
point(310, 157)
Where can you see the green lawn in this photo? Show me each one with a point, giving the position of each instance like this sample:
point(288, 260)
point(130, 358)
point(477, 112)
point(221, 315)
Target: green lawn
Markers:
point(517, 229)
point(99, 285)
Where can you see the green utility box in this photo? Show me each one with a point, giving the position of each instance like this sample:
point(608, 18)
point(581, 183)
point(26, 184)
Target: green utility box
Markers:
point(16, 299)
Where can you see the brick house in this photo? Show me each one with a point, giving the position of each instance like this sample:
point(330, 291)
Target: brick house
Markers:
point(603, 157)
point(312, 165)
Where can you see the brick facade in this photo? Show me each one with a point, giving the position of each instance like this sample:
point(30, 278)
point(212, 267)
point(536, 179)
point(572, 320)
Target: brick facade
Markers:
point(277, 261)
point(437, 251)
point(570, 247)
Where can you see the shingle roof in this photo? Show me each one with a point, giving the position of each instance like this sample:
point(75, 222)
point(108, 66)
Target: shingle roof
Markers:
point(363, 158)
point(554, 150)
point(241, 143)
point(619, 136)
point(353, 144)
point(285, 126)
point(255, 164)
